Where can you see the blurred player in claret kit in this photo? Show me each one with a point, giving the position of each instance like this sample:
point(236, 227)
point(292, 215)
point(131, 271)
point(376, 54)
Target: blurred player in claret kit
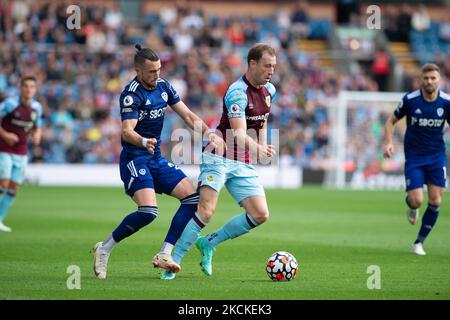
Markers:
point(20, 117)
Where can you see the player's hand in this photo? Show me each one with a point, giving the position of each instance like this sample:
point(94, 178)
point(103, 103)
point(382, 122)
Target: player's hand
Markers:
point(388, 150)
point(217, 143)
point(11, 138)
point(150, 145)
point(266, 150)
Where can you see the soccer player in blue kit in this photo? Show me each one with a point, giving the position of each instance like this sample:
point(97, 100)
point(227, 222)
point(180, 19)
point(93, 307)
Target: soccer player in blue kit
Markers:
point(426, 111)
point(143, 170)
point(246, 107)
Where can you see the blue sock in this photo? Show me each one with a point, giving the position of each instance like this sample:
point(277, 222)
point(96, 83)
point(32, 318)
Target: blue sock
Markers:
point(181, 218)
point(188, 237)
point(428, 221)
point(135, 221)
point(6, 200)
point(235, 227)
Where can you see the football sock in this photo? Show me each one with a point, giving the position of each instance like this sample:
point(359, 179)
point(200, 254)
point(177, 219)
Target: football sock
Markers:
point(2, 195)
point(235, 227)
point(109, 244)
point(166, 248)
point(428, 221)
point(181, 218)
point(6, 201)
point(188, 237)
point(135, 221)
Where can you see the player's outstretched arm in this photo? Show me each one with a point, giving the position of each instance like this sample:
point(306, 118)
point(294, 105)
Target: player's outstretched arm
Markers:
point(388, 147)
point(131, 136)
point(192, 121)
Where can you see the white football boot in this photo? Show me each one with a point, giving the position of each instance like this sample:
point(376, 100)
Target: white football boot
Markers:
point(4, 228)
point(100, 261)
point(164, 261)
point(412, 215)
point(417, 248)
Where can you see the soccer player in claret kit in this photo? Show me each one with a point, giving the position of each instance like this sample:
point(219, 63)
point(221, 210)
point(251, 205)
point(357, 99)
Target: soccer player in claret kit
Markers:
point(426, 111)
point(246, 107)
point(20, 117)
point(143, 170)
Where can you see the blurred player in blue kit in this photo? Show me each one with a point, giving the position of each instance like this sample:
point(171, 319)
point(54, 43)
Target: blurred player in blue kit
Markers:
point(426, 111)
point(143, 170)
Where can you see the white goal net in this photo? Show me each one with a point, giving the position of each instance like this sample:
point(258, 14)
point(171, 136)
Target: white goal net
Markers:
point(357, 123)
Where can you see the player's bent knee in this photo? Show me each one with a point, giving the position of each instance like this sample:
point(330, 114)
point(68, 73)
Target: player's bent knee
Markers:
point(4, 183)
point(261, 216)
point(205, 211)
point(435, 201)
point(415, 202)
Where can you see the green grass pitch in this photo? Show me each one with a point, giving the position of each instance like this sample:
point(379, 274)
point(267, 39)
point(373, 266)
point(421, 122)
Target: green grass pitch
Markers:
point(335, 235)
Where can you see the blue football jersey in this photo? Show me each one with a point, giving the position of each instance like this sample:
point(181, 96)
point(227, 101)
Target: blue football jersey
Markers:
point(425, 123)
point(148, 107)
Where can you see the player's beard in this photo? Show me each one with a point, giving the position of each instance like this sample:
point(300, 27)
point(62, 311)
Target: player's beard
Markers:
point(148, 84)
point(430, 89)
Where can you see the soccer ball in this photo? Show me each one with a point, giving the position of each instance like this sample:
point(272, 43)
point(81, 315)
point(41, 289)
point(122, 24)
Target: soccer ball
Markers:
point(282, 266)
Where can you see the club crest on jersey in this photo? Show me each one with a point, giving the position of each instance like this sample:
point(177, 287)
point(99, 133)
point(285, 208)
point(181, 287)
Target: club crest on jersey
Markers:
point(142, 172)
point(268, 101)
point(128, 101)
point(164, 96)
point(440, 112)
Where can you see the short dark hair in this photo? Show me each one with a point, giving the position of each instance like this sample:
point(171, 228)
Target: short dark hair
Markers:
point(258, 50)
point(143, 54)
point(27, 78)
point(427, 67)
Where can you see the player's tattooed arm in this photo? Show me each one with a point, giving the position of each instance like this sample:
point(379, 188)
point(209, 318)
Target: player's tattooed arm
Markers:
point(388, 147)
point(131, 136)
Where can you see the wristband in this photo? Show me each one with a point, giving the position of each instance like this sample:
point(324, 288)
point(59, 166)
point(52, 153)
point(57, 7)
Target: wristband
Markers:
point(144, 142)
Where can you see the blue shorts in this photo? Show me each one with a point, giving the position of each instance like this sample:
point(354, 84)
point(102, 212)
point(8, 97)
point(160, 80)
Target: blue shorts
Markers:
point(12, 167)
point(150, 172)
point(240, 179)
point(425, 171)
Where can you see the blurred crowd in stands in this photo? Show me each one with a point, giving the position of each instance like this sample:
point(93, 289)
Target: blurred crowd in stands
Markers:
point(82, 73)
